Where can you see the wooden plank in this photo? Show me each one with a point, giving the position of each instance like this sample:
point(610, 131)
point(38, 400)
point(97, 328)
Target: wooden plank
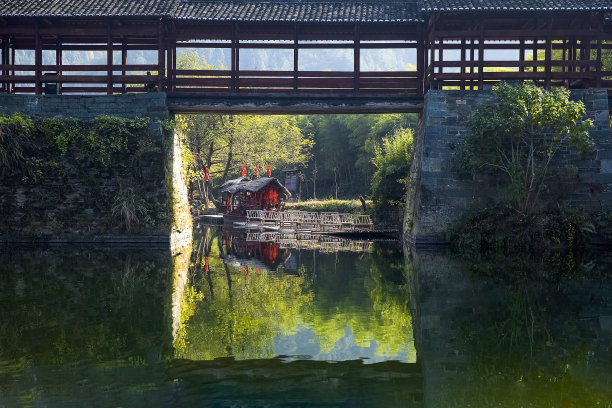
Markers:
point(389, 83)
point(17, 78)
point(296, 53)
point(218, 82)
point(5, 62)
point(265, 82)
point(421, 63)
point(123, 63)
point(326, 83)
point(204, 72)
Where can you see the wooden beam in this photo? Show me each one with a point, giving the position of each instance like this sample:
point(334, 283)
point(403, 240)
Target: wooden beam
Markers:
point(356, 58)
point(432, 52)
point(109, 58)
point(123, 62)
point(481, 38)
point(161, 56)
point(296, 52)
point(463, 58)
point(171, 49)
point(599, 53)
point(421, 60)
point(59, 55)
point(37, 62)
point(548, 53)
point(5, 61)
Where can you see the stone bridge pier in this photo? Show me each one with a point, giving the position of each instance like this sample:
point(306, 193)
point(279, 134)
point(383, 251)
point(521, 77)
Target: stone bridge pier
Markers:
point(78, 201)
point(441, 193)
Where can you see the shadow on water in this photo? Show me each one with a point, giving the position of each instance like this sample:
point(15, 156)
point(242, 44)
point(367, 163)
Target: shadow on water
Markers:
point(509, 332)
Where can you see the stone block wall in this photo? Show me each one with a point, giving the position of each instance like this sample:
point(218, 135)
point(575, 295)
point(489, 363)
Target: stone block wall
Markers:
point(79, 199)
point(441, 193)
point(152, 105)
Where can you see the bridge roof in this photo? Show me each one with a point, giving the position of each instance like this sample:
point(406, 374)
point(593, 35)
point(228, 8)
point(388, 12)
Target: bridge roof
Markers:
point(86, 8)
point(514, 5)
point(307, 11)
point(281, 10)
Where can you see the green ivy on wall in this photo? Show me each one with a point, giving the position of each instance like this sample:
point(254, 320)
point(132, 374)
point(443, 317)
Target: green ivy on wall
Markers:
point(106, 166)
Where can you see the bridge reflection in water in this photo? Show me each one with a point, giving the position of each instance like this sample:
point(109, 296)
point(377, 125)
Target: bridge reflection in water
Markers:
point(87, 327)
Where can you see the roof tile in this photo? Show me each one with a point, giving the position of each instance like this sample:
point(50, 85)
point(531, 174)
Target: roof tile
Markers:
point(282, 10)
point(295, 10)
point(543, 5)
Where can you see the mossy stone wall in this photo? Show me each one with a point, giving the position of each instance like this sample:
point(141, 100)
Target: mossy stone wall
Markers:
point(104, 182)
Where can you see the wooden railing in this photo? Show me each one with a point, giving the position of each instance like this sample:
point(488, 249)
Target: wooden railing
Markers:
point(134, 78)
point(313, 221)
point(289, 81)
point(474, 74)
point(80, 78)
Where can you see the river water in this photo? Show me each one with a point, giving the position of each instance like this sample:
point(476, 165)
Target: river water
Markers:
point(251, 320)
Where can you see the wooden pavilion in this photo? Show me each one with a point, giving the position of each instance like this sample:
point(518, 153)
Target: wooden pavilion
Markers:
point(242, 194)
point(452, 43)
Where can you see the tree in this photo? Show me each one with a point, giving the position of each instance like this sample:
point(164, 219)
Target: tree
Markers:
point(224, 143)
point(519, 132)
point(392, 161)
point(345, 144)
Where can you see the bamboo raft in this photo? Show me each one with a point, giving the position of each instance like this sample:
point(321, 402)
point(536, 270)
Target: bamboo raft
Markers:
point(310, 221)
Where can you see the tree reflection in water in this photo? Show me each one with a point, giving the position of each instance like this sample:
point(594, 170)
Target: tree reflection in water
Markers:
point(241, 300)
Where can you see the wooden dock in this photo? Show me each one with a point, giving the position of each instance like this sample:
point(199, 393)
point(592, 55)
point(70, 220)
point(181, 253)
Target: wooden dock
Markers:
point(310, 221)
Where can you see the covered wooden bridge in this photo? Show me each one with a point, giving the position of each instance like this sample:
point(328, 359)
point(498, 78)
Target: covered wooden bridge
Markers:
point(119, 46)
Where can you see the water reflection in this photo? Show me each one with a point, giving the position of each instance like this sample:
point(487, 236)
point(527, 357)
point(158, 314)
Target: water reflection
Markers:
point(232, 321)
point(243, 299)
point(82, 325)
point(513, 332)
point(209, 326)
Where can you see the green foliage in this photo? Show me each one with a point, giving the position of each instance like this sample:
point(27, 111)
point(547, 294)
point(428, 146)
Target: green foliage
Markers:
point(341, 164)
point(65, 152)
point(518, 133)
point(15, 135)
point(330, 205)
point(104, 307)
point(129, 207)
point(100, 138)
point(392, 161)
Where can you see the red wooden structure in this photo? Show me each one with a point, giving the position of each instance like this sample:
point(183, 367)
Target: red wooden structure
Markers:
point(452, 43)
point(242, 194)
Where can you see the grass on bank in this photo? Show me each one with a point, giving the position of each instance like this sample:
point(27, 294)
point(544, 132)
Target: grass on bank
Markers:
point(331, 205)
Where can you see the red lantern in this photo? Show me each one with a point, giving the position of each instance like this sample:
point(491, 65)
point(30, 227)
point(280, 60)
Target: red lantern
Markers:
point(257, 167)
point(206, 174)
point(269, 171)
point(244, 170)
point(206, 264)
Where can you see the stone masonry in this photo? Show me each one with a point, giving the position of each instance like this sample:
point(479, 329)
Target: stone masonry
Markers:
point(442, 193)
point(71, 203)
